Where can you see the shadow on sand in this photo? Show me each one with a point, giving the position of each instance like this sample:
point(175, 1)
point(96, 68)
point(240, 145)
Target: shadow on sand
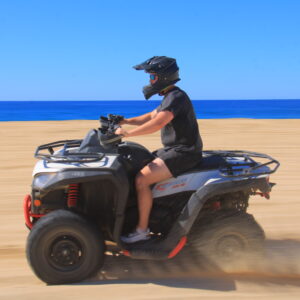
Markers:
point(280, 265)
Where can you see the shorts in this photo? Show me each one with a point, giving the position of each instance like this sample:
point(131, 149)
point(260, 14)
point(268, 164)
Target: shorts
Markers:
point(178, 160)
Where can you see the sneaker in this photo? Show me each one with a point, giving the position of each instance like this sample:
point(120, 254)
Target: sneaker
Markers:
point(136, 236)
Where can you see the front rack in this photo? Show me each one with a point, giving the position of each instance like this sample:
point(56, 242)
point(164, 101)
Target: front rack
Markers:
point(65, 155)
point(249, 167)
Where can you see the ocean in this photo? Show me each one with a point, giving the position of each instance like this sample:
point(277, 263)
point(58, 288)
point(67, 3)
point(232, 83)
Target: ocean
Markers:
point(91, 110)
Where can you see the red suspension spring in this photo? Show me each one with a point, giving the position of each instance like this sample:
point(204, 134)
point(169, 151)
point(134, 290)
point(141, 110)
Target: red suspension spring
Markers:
point(73, 194)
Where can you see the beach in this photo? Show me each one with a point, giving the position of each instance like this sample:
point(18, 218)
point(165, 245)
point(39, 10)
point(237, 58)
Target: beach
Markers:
point(278, 277)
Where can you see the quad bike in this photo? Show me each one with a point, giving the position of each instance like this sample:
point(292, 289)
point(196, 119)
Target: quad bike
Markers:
point(83, 198)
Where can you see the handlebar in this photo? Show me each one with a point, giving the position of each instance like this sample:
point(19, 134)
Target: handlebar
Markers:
point(109, 125)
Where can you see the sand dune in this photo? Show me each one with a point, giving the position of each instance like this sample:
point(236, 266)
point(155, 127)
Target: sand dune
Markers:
point(276, 277)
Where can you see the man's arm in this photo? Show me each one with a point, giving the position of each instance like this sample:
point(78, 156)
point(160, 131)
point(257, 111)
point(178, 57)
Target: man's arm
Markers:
point(159, 120)
point(140, 120)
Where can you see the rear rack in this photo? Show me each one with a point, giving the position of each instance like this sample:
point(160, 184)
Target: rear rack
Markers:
point(65, 155)
point(249, 167)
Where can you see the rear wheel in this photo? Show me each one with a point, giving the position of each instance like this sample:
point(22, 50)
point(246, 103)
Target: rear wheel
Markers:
point(229, 241)
point(63, 247)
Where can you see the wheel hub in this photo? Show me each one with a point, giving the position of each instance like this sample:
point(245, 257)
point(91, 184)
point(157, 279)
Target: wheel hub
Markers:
point(230, 247)
point(65, 251)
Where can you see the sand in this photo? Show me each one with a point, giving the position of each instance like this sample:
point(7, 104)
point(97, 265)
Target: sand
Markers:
point(277, 277)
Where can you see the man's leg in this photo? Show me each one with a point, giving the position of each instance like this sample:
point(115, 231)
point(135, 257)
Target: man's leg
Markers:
point(154, 172)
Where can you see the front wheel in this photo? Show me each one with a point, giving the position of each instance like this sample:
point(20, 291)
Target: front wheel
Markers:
point(63, 247)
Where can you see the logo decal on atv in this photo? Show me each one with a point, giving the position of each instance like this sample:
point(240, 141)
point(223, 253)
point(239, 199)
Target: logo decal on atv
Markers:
point(171, 185)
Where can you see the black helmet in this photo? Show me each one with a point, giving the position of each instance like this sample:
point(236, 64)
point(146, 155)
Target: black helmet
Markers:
point(166, 70)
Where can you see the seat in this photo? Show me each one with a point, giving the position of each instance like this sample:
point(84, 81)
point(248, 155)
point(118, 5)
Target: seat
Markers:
point(209, 162)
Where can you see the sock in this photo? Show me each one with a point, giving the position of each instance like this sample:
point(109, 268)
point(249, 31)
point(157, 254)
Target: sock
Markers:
point(141, 230)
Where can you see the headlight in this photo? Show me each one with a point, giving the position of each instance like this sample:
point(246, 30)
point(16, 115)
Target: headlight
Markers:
point(42, 180)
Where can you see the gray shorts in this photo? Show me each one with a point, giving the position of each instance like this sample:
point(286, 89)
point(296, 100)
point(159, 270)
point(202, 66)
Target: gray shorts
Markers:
point(177, 160)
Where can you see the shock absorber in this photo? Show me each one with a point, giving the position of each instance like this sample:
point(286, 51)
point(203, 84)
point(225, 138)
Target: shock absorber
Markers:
point(73, 195)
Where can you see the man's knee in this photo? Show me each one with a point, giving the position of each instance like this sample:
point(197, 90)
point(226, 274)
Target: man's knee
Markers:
point(141, 181)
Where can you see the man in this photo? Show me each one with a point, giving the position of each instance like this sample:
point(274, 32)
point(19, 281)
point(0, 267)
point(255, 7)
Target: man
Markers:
point(179, 134)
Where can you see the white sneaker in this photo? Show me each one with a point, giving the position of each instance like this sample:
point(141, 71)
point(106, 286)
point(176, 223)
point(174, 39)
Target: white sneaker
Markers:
point(136, 236)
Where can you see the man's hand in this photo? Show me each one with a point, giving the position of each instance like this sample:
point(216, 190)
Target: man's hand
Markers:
point(121, 131)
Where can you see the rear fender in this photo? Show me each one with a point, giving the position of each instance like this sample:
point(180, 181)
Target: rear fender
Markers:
point(197, 200)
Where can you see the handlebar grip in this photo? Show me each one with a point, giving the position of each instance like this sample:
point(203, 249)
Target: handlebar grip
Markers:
point(115, 118)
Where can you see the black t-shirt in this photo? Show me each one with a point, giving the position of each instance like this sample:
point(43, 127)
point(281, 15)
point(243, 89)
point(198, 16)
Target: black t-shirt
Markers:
point(182, 132)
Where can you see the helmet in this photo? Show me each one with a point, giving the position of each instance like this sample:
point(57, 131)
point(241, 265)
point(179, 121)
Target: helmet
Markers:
point(166, 70)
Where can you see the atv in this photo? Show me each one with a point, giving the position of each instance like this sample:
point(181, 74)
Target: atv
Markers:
point(83, 199)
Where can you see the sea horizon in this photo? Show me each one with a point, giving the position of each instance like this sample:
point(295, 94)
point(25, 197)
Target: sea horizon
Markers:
point(63, 100)
point(47, 110)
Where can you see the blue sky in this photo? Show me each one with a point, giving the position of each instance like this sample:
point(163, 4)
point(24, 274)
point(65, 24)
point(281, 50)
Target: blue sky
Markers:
point(85, 49)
